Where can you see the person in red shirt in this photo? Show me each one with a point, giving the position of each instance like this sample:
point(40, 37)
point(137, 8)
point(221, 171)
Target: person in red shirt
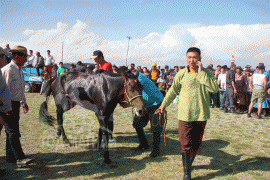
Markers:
point(106, 66)
point(99, 59)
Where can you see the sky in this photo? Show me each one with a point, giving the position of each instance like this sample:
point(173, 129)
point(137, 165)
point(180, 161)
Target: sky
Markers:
point(160, 31)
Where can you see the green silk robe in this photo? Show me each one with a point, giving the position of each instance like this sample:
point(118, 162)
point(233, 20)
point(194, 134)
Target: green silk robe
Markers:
point(194, 90)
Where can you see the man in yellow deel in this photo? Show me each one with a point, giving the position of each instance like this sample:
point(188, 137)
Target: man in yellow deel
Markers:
point(194, 83)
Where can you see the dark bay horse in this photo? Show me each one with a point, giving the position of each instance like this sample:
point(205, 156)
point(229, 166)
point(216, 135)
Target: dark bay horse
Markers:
point(99, 92)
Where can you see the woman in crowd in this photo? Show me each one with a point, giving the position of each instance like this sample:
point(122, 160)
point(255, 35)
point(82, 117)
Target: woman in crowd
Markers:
point(241, 87)
point(146, 72)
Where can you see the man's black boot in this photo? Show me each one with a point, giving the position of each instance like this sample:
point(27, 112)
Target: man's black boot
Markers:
point(142, 139)
point(187, 166)
point(156, 143)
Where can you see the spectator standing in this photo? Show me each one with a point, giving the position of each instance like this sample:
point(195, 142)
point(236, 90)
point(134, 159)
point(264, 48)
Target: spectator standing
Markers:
point(176, 69)
point(132, 68)
point(54, 72)
point(30, 59)
point(72, 68)
point(194, 84)
point(248, 89)
point(258, 84)
point(49, 61)
point(80, 67)
point(46, 76)
point(154, 73)
point(241, 86)
point(8, 54)
point(169, 80)
point(13, 76)
point(139, 69)
point(162, 84)
point(39, 63)
point(61, 70)
point(167, 71)
point(230, 90)
point(222, 85)
point(265, 105)
point(146, 72)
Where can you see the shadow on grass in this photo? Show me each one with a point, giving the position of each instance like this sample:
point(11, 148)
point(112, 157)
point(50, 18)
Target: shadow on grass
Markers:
point(76, 164)
point(227, 164)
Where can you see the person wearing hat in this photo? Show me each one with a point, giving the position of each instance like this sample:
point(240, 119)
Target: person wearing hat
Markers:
point(258, 84)
point(194, 84)
point(99, 59)
point(105, 66)
point(230, 90)
point(265, 104)
point(13, 75)
point(154, 73)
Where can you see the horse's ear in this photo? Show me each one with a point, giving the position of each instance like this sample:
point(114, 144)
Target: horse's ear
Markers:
point(124, 74)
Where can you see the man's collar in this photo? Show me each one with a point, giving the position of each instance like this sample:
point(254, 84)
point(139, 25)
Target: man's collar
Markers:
point(15, 65)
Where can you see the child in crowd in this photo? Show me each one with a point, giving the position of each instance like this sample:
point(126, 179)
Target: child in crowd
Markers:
point(45, 75)
point(162, 84)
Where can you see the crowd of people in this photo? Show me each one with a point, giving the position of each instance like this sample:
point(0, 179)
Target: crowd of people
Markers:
point(194, 88)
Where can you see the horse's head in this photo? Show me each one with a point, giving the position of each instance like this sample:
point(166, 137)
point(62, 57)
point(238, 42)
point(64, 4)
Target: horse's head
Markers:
point(133, 93)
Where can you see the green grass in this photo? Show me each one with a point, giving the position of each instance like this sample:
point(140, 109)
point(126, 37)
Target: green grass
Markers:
point(234, 147)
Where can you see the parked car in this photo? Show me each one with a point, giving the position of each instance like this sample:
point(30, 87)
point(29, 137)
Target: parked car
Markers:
point(31, 78)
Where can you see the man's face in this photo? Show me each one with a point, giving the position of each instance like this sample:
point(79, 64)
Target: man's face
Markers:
point(98, 59)
point(61, 65)
point(218, 68)
point(176, 69)
point(132, 66)
point(48, 53)
point(154, 67)
point(20, 60)
point(222, 70)
point(192, 59)
point(31, 53)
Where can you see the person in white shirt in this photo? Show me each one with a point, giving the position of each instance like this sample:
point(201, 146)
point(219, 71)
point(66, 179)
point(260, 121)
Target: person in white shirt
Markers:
point(30, 59)
point(13, 76)
point(258, 86)
point(49, 60)
point(222, 85)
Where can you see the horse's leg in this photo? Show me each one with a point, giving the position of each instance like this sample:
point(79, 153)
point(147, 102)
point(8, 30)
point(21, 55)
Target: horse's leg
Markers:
point(60, 129)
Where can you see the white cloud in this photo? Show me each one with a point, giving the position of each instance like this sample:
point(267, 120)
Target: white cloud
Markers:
point(217, 43)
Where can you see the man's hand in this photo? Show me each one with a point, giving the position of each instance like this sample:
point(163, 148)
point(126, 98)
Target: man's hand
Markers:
point(235, 91)
point(25, 108)
point(200, 66)
point(162, 108)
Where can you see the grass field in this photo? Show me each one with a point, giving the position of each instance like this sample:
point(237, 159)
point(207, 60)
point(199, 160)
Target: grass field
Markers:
point(234, 147)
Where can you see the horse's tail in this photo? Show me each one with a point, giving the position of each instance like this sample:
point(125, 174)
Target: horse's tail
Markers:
point(44, 115)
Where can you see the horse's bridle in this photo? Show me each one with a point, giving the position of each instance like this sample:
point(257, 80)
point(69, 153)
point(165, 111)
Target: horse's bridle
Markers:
point(129, 100)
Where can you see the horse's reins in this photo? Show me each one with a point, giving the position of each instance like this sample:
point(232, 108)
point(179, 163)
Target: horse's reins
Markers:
point(159, 123)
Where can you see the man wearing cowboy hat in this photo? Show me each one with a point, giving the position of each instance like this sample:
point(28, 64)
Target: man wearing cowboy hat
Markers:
point(13, 75)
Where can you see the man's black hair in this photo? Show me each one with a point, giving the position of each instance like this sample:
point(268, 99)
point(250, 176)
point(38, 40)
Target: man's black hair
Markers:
point(194, 49)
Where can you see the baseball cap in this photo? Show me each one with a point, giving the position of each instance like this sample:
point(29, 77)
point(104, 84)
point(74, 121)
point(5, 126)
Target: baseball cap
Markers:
point(96, 54)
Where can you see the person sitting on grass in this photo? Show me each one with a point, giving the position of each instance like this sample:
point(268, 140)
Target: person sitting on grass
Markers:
point(258, 87)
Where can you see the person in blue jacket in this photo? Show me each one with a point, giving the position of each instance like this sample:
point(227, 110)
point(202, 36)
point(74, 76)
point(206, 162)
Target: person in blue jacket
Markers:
point(153, 98)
